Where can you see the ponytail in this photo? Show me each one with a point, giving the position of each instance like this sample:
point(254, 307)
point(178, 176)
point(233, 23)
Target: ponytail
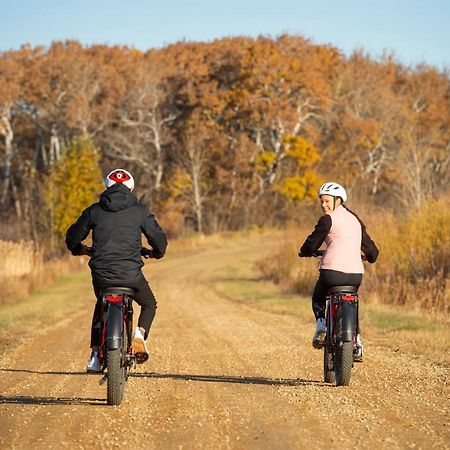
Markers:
point(356, 215)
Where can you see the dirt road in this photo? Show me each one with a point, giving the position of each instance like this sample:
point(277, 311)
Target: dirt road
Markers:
point(221, 375)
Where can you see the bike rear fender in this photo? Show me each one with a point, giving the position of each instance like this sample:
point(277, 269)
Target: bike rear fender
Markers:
point(348, 312)
point(114, 331)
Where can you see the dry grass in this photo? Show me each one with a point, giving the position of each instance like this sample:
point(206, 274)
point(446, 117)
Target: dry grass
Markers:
point(286, 269)
point(24, 271)
point(413, 268)
point(19, 258)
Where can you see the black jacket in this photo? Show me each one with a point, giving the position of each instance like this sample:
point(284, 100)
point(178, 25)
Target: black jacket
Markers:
point(117, 222)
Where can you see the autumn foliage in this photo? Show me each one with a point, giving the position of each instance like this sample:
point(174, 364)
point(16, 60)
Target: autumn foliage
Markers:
point(219, 135)
point(73, 183)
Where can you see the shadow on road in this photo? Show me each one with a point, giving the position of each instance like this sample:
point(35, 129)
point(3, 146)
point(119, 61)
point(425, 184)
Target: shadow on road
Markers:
point(28, 400)
point(40, 400)
point(229, 379)
point(44, 372)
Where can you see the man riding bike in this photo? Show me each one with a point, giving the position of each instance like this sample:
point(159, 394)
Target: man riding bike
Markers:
point(117, 222)
point(345, 236)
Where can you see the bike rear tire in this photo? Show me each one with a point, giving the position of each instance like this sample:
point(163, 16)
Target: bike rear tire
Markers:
point(343, 363)
point(329, 375)
point(116, 377)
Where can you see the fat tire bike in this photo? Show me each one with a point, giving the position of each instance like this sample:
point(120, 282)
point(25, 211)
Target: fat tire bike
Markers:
point(341, 347)
point(116, 353)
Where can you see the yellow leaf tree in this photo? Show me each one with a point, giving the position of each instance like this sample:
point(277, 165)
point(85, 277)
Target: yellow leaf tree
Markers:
point(303, 181)
point(73, 184)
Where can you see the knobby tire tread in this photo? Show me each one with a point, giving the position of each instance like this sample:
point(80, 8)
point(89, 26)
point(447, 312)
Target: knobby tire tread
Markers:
point(116, 377)
point(329, 375)
point(344, 364)
point(343, 356)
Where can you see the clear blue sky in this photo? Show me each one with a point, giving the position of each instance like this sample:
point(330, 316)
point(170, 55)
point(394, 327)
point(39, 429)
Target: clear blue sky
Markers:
point(417, 31)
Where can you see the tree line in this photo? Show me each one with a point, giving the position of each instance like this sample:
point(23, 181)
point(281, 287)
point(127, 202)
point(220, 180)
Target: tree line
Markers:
point(219, 135)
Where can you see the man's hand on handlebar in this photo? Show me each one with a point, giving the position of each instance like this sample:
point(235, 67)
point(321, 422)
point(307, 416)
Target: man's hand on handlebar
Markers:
point(85, 250)
point(147, 253)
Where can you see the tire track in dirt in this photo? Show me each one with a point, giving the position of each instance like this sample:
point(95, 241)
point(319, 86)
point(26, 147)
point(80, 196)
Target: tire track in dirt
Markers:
point(221, 375)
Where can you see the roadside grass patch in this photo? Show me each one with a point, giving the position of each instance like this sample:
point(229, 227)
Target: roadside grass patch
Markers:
point(412, 332)
point(20, 319)
point(240, 283)
point(391, 321)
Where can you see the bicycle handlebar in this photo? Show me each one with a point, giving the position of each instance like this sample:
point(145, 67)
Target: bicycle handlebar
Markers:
point(147, 253)
point(321, 253)
point(89, 251)
point(85, 250)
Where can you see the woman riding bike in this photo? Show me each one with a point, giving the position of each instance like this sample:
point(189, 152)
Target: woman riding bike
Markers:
point(345, 236)
point(117, 221)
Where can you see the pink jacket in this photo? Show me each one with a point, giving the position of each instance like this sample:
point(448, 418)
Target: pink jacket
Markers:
point(343, 251)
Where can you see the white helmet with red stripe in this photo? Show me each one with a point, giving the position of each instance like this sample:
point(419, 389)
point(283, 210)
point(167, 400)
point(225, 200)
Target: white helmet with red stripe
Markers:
point(121, 176)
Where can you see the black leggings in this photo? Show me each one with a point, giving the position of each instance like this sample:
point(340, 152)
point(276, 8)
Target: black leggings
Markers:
point(329, 278)
point(143, 297)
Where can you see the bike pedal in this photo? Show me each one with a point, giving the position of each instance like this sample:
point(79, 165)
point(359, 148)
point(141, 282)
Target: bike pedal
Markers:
point(318, 344)
point(132, 362)
point(141, 357)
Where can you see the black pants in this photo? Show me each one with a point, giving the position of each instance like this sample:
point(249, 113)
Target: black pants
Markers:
point(329, 278)
point(143, 297)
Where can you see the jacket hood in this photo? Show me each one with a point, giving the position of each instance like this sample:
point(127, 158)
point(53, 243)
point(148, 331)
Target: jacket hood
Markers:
point(117, 198)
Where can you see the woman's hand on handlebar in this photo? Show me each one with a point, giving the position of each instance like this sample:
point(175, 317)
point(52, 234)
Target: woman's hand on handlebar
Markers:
point(321, 253)
point(317, 253)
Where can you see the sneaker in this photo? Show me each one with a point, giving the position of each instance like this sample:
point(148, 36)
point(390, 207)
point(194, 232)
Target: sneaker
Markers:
point(358, 350)
point(93, 365)
point(318, 339)
point(139, 347)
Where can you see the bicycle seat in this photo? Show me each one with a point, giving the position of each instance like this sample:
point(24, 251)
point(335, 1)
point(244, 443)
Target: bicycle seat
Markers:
point(118, 290)
point(347, 289)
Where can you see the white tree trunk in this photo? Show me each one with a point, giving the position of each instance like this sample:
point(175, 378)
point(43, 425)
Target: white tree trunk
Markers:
point(7, 132)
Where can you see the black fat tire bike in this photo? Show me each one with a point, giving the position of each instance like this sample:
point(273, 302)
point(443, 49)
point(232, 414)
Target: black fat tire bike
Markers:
point(116, 353)
point(340, 349)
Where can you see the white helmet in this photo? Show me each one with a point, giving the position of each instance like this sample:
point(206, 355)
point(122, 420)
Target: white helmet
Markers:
point(333, 189)
point(121, 176)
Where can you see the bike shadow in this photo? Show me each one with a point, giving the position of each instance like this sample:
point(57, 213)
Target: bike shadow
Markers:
point(232, 379)
point(44, 372)
point(41, 400)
